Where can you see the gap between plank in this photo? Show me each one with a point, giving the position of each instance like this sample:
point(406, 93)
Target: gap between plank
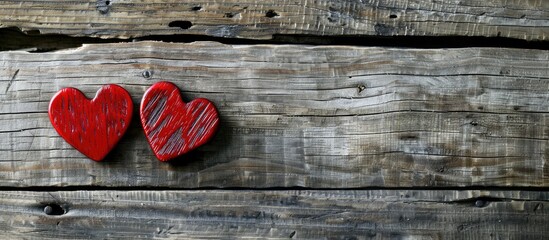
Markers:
point(34, 41)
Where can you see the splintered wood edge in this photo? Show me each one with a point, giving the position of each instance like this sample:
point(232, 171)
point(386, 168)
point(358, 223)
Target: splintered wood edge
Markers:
point(346, 116)
point(424, 214)
point(262, 19)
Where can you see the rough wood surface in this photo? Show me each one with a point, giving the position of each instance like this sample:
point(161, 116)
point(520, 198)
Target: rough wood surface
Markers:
point(384, 214)
point(522, 19)
point(320, 117)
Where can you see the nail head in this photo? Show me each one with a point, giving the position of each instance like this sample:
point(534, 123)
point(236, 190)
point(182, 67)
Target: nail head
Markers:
point(480, 203)
point(48, 210)
point(147, 74)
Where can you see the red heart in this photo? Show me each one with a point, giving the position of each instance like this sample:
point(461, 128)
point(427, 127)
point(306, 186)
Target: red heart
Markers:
point(94, 126)
point(172, 126)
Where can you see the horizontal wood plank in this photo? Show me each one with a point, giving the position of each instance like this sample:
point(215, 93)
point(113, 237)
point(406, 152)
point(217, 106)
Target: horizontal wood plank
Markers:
point(377, 214)
point(320, 117)
point(522, 19)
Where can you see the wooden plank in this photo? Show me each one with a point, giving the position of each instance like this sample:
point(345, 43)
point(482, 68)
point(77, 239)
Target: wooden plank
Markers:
point(376, 214)
point(522, 19)
point(320, 117)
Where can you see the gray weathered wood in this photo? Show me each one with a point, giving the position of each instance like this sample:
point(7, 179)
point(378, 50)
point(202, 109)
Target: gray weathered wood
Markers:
point(523, 19)
point(383, 214)
point(321, 117)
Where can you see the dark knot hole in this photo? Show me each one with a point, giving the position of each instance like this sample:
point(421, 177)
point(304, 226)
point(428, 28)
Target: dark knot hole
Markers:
point(181, 24)
point(54, 209)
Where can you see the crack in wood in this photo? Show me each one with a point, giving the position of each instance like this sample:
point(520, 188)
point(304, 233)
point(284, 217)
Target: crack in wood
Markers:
point(17, 40)
point(11, 80)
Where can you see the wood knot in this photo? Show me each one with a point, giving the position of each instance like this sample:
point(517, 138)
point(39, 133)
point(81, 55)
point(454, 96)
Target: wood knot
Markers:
point(103, 6)
point(181, 24)
point(361, 88)
point(271, 14)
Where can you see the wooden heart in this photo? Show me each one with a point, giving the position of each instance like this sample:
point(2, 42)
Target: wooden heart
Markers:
point(94, 126)
point(172, 126)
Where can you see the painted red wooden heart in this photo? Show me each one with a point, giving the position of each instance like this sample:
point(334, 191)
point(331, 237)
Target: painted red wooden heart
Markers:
point(94, 126)
point(172, 126)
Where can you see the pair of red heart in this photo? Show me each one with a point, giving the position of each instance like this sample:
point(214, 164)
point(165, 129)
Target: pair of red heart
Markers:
point(95, 126)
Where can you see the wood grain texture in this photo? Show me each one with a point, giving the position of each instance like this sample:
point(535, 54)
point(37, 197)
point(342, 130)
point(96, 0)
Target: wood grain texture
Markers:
point(383, 214)
point(92, 126)
point(173, 127)
point(319, 117)
point(522, 19)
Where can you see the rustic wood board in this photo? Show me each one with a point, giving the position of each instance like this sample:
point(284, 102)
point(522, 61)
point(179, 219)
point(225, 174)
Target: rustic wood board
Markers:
point(319, 117)
point(376, 214)
point(522, 19)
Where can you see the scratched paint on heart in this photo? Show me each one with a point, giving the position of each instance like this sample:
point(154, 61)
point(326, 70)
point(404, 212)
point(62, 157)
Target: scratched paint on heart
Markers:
point(95, 126)
point(172, 126)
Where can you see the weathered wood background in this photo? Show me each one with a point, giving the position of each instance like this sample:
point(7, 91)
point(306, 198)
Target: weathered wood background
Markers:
point(381, 142)
point(364, 214)
point(523, 19)
point(323, 117)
